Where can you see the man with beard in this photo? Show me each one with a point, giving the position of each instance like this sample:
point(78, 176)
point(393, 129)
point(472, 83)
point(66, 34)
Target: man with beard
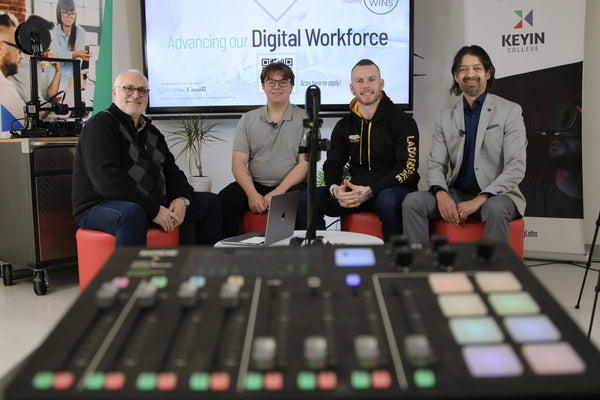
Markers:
point(11, 104)
point(481, 139)
point(380, 143)
point(557, 191)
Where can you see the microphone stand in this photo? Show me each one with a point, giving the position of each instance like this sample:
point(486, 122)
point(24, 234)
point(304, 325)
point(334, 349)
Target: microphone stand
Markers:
point(587, 268)
point(312, 153)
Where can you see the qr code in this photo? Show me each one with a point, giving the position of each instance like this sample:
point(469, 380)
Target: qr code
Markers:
point(289, 61)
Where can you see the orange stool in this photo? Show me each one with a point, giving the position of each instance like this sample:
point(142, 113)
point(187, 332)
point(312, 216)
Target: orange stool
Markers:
point(94, 248)
point(362, 222)
point(472, 231)
point(250, 222)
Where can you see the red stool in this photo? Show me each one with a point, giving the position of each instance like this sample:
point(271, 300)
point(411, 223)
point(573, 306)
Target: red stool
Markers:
point(94, 248)
point(472, 231)
point(362, 222)
point(250, 222)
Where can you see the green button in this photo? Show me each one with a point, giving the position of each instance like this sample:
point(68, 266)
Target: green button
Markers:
point(307, 380)
point(159, 281)
point(254, 381)
point(146, 381)
point(424, 378)
point(303, 268)
point(199, 381)
point(360, 380)
point(289, 268)
point(42, 380)
point(518, 303)
point(95, 381)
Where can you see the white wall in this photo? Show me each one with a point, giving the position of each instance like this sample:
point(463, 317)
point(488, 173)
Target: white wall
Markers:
point(439, 34)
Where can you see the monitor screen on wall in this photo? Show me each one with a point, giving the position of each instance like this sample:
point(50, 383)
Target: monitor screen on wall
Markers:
point(204, 56)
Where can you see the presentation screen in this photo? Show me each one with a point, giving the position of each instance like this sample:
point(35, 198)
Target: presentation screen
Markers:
point(204, 56)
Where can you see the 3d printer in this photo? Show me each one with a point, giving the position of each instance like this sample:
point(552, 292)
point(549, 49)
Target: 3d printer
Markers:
point(33, 38)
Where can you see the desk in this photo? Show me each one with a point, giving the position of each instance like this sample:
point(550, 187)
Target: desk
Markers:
point(333, 237)
point(38, 228)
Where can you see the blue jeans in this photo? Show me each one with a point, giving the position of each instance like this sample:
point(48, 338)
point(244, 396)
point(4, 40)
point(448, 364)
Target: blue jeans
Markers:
point(128, 222)
point(387, 204)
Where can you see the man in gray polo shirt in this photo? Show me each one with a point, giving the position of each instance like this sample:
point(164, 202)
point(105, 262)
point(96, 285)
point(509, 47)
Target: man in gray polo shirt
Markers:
point(265, 159)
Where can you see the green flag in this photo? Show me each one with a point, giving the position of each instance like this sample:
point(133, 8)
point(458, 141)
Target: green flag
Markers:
point(102, 91)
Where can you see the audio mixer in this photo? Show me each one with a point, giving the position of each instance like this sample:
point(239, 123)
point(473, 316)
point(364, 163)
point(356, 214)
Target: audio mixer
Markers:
point(461, 320)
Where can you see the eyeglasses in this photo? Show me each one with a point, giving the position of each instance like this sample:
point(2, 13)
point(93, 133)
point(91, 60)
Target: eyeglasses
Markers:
point(71, 14)
point(11, 44)
point(142, 91)
point(282, 83)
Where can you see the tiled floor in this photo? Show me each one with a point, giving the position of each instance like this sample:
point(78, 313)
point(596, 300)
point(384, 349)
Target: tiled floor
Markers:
point(25, 319)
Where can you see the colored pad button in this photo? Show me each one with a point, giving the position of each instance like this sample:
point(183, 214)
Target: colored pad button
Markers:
point(306, 380)
point(95, 381)
point(254, 381)
point(219, 381)
point(461, 305)
point(326, 380)
point(198, 280)
point(159, 281)
point(493, 361)
point(531, 328)
point(114, 380)
point(42, 380)
point(360, 379)
point(520, 303)
point(449, 282)
point(273, 380)
point(122, 282)
point(424, 378)
point(501, 281)
point(199, 381)
point(553, 359)
point(477, 330)
point(166, 381)
point(381, 379)
point(63, 380)
point(146, 381)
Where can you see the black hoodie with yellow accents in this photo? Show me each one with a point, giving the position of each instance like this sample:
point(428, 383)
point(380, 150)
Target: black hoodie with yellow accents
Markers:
point(383, 152)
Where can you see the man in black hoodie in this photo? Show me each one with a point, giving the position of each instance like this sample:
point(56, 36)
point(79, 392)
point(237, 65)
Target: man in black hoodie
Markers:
point(380, 142)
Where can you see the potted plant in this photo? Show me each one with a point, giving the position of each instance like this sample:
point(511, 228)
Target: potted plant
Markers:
point(192, 134)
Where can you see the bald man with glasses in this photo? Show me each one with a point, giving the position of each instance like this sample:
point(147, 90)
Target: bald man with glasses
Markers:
point(125, 177)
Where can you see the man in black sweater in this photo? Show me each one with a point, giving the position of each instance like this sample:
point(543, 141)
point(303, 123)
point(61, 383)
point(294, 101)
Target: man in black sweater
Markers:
point(125, 177)
point(380, 142)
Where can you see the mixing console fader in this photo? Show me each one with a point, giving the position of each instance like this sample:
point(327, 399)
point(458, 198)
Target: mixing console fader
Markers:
point(394, 321)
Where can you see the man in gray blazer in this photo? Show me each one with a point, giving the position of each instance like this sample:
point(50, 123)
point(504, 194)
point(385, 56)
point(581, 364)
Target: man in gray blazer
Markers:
point(481, 139)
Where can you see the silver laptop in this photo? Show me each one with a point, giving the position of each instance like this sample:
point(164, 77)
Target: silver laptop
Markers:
point(280, 223)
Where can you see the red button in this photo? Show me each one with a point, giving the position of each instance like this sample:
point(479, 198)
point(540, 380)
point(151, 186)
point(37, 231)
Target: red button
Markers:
point(219, 381)
point(381, 379)
point(62, 380)
point(326, 380)
point(114, 380)
point(273, 380)
point(166, 381)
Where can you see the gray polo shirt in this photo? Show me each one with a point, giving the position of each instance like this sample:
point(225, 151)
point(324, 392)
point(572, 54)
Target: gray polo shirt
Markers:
point(272, 148)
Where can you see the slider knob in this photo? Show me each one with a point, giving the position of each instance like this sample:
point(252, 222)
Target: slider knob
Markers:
point(229, 294)
point(446, 256)
point(315, 351)
point(366, 349)
point(404, 257)
point(263, 352)
point(485, 250)
point(187, 294)
point(438, 241)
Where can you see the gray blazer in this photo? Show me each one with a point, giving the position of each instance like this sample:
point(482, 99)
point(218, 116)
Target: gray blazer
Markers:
point(500, 145)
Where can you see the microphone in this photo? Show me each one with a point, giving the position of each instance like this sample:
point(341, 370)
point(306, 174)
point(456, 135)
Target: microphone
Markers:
point(313, 102)
point(273, 124)
point(461, 132)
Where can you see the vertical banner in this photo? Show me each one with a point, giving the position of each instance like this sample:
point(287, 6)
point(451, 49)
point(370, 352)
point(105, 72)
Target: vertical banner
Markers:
point(103, 94)
point(537, 49)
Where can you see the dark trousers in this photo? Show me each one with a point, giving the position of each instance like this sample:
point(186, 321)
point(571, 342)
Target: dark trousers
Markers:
point(128, 222)
point(387, 204)
point(234, 204)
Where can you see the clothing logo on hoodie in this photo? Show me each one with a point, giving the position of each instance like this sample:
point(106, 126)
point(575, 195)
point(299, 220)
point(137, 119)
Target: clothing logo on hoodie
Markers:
point(354, 138)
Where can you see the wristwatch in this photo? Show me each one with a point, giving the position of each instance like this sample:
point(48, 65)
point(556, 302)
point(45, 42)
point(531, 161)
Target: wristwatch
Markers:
point(186, 201)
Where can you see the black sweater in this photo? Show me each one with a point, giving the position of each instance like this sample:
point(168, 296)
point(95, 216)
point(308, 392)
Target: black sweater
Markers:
point(102, 160)
point(383, 152)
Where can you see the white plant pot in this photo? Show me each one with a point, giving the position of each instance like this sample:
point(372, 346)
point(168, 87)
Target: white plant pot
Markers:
point(201, 183)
